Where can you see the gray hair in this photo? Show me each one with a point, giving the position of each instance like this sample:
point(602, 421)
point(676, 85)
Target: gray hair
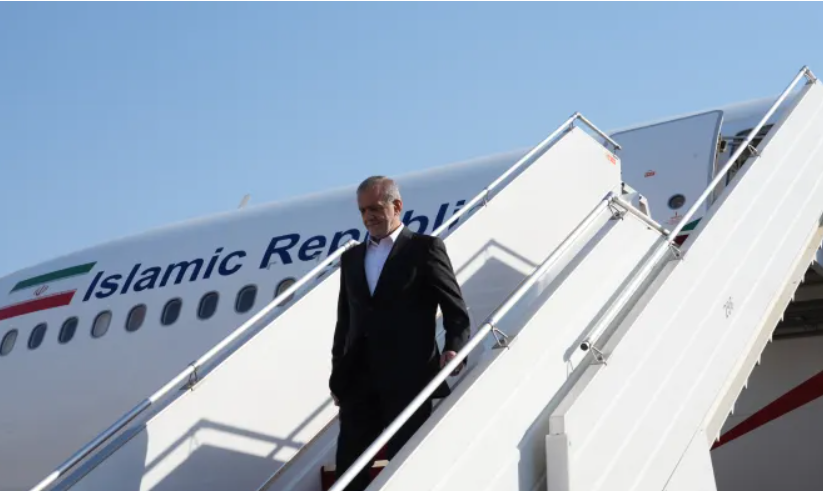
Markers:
point(390, 190)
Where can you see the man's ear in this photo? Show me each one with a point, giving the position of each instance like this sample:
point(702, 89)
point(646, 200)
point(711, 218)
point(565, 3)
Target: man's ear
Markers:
point(398, 206)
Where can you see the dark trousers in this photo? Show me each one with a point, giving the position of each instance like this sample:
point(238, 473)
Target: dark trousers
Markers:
point(363, 417)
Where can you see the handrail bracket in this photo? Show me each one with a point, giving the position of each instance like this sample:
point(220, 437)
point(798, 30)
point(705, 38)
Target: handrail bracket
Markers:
point(501, 340)
point(193, 378)
point(599, 357)
point(678, 254)
point(754, 151)
point(617, 213)
point(812, 78)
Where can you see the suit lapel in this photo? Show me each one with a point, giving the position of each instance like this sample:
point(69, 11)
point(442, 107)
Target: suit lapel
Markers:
point(386, 274)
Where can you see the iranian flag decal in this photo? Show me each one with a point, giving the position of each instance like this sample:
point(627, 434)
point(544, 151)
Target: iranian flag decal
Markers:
point(38, 287)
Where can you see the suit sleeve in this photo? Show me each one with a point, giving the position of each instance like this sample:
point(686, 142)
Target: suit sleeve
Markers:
point(342, 327)
point(447, 291)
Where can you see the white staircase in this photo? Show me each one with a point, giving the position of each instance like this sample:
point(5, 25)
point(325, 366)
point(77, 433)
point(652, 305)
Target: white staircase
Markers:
point(491, 433)
point(647, 419)
point(257, 401)
point(534, 313)
point(673, 338)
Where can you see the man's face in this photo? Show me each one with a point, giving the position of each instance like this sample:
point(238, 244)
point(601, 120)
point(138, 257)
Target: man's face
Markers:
point(378, 217)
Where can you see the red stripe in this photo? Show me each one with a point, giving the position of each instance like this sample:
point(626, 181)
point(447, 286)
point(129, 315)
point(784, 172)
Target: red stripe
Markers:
point(809, 390)
point(48, 302)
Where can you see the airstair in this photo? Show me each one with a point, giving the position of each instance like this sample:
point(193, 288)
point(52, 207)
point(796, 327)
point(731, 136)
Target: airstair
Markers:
point(605, 354)
point(647, 420)
point(250, 405)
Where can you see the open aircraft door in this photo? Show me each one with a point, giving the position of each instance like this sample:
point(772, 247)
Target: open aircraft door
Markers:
point(671, 163)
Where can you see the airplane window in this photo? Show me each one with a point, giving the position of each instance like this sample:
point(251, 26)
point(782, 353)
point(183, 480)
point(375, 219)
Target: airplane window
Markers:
point(171, 311)
point(36, 337)
point(282, 286)
point(245, 299)
point(67, 330)
point(676, 201)
point(136, 317)
point(8, 342)
point(101, 324)
point(208, 305)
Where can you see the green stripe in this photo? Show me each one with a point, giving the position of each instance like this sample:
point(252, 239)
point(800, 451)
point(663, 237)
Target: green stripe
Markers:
point(57, 275)
point(691, 225)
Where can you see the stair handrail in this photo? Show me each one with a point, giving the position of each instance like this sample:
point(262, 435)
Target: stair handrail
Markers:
point(489, 326)
point(485, 195)
point(593, 334)
point(804, 72)
point(191, 369)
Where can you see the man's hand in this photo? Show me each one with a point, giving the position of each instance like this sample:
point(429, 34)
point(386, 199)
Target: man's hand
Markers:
point(446, 357)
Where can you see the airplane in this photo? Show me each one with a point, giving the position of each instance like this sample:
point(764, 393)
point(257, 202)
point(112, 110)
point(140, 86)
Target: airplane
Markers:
point(86, 336)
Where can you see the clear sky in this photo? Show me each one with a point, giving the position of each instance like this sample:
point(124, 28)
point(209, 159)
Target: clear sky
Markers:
point(119, 117)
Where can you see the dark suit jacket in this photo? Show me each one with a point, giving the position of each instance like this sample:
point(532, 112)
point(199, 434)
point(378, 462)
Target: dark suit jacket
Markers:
point(388, 340)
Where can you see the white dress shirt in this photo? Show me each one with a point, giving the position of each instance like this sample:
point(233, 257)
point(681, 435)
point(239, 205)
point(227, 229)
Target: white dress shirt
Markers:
point(376, 255)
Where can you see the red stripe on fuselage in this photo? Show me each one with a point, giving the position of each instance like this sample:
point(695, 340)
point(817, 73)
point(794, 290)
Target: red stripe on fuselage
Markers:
point(43, 303)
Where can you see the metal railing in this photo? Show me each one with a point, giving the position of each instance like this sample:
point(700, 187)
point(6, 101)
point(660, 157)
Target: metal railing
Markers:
point(537, 149)
point(191, 370)
point(594, 334)
point(610, 315)
point(485, 195)
point(489, 326)
point(804, 72)
point(640, 215)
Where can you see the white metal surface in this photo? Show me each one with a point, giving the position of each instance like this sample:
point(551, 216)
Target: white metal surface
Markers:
point(694, 470)
point(243, 421)
point(630, 423)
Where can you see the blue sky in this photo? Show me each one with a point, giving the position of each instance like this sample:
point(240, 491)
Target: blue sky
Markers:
point(119, 117)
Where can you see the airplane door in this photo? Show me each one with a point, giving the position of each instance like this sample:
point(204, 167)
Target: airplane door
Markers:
point(671, 163)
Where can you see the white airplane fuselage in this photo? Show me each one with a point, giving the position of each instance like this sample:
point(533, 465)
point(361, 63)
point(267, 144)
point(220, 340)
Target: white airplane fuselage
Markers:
point(62, 386)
